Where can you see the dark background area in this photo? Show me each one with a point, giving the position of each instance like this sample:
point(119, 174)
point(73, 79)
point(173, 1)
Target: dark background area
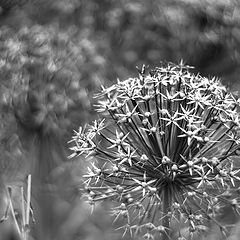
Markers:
point(54, 55)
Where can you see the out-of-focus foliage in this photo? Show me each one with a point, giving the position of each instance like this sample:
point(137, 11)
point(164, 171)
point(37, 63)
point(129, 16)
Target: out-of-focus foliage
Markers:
point(55, 54)
point(203, 33)
point(61, 67)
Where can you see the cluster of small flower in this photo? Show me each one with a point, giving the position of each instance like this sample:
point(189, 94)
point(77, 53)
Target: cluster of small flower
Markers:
point(166, 151)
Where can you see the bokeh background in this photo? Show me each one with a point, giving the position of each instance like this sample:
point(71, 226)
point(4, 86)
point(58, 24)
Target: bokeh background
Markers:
point(54, 55)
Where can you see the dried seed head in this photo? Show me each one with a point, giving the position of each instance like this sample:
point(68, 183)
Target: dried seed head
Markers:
point(173, 155)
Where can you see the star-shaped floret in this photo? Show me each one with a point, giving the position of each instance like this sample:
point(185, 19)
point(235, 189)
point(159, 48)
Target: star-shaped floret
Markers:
point(172, 119)
point(190, 134)
point(171, 97)
point(97, 127)
point(127, 115)
point(119, 140)
point(143, 185)
point(128, 157)
point(199, 100)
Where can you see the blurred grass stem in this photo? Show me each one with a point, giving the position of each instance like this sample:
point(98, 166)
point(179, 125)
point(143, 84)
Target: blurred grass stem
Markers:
point(29, 180)
point(13, 213)
point(25, 211)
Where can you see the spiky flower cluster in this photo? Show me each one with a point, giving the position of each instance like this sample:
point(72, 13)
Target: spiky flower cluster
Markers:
point(165, 153)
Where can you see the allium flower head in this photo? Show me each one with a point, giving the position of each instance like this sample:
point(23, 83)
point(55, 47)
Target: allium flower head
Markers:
point(165, 152)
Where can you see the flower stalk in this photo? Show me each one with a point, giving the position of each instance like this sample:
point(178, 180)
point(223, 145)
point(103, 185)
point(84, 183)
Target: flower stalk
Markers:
point(166, 206)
